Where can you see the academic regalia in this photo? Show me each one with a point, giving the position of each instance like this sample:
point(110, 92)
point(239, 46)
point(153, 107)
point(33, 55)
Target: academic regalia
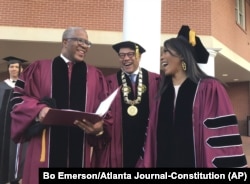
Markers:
point(49, 145)
point(11, 154)
point(5, 85)
point(196, 126)
point(200, 130)
point(130, 132)
point(5, 136)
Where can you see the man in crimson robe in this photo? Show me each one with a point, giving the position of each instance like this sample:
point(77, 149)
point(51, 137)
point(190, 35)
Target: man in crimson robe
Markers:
point(131, 107)
point(47, 84)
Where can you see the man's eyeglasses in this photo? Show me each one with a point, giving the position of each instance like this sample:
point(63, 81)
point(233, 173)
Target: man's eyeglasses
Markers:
point(129, 54)
point(81, 41)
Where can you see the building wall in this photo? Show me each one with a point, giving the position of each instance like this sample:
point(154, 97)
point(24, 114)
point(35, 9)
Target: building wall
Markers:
point(196, 14)
point(206, 17)
point(239, 93)
point(91, 14)
point(225, 29)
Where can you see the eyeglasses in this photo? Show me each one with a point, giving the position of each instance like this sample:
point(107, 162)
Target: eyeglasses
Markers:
point(129, 54)
point(81, 41)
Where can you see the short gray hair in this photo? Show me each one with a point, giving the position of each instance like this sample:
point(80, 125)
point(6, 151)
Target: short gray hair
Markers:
point(69, 32)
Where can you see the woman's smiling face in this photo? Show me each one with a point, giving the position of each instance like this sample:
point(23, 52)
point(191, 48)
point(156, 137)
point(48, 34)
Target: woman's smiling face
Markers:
point(171, 62)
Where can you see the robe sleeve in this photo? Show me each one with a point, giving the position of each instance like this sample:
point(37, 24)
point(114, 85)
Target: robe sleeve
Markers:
point(100, 94)
point(217, 139)
point(150, 149)
point(98, 144)
point(25, 101)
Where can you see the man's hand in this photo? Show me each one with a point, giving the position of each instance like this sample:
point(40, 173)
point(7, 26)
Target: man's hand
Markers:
point(43, 113)
point(90, 128)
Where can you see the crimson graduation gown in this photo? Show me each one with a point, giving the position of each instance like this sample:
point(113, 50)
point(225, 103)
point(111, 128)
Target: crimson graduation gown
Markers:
point(11, 155)
point(130, 133)
point(207, 122)
point(56, 146)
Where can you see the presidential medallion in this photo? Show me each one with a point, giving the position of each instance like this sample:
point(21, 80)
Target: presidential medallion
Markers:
point(132, 110)
point(141, 88)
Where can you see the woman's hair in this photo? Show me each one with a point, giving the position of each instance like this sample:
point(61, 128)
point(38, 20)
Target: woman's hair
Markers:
point(185, 51)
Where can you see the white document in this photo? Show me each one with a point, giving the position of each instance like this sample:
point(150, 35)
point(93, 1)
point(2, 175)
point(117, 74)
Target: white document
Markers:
point(105, 104)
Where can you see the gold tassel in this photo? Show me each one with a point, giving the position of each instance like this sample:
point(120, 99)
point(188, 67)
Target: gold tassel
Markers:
point(192, 38)
point(137, 53)
point(43, 151)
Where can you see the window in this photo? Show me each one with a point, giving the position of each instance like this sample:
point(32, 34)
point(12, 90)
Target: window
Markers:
point(240, 13)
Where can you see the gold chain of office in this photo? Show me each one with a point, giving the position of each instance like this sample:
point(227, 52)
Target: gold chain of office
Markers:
point(132, 109)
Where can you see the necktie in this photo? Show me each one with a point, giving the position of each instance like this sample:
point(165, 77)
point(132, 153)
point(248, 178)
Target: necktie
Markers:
point(70, 66)
point(132, 78)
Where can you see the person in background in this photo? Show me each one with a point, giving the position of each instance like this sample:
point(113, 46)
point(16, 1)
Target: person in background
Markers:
point(14, 66)
point(65, 82)
point(131, 108)
point(11, 155)
point(196, 126)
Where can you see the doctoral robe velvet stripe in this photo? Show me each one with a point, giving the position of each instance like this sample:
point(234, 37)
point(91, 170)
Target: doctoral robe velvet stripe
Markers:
point(220, 122)
point(62, 153)
point(175, 134)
